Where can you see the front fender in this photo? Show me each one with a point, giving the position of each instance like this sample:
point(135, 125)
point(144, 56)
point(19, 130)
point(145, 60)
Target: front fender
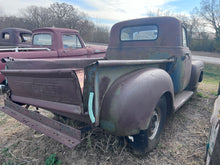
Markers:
point(131, 99)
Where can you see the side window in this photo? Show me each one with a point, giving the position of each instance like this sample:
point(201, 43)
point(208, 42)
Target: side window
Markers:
point(184, 37)
point(25, 37)
point(42, 39)
point(71, 42)
point(5, 36)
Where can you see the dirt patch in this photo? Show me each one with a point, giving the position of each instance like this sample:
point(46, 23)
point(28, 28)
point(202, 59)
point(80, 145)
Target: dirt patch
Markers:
point(183, 141)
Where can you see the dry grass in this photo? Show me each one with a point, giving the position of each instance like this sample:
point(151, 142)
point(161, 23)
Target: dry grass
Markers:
point(183, 141)
point(207, 54)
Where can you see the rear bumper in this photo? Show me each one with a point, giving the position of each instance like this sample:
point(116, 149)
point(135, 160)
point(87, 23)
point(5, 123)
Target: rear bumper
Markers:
point(62, 133)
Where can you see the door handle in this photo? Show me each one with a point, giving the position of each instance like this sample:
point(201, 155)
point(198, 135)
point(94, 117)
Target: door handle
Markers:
point(66, 51)
point(187, 54)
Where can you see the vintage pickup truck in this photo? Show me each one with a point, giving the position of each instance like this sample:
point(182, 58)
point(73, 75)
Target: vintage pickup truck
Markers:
point(15, 37)
point(53, 43)
point(147, 74)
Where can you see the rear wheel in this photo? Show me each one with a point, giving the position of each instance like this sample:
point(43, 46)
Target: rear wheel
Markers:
point(147, 139)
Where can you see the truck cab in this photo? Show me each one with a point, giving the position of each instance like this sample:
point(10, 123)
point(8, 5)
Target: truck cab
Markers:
point(67, 42)
point(153, 39)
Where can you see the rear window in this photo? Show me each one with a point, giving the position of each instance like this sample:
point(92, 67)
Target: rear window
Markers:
point(137, 33)
point(42, 39)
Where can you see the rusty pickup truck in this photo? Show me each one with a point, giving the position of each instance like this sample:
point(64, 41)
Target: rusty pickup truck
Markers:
point(15, 37)
point(53, 43)
point(146, 75)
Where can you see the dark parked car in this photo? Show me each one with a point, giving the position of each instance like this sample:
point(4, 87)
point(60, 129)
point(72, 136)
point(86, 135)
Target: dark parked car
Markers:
point(15, 37)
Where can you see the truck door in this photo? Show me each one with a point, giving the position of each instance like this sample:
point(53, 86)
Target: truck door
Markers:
point(72, 46)
point(186, 59)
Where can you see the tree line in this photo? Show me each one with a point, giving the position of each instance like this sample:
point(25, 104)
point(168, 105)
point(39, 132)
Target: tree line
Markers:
point(198, 23)
point(60, 15)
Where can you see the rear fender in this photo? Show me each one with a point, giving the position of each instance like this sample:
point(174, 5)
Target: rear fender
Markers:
point(196, 74)
point(131, 99)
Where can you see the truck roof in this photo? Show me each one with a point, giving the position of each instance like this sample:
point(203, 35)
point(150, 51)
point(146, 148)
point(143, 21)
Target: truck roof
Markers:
point(55, 30)
point(11, 29)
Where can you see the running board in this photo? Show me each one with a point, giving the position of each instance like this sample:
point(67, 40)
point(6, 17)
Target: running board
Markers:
point(62, 133)
point(181, 98)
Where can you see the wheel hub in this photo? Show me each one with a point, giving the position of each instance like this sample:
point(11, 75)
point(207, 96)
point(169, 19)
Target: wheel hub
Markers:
point(154, 124)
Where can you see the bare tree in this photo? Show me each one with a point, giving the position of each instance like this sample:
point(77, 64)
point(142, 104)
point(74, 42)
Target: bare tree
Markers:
point(65, 15)
point(60, 15)
point(192, 23)
point(210, 11)
point(12, 21)
point(37, 17)
point(86, 29)
point(101, 34)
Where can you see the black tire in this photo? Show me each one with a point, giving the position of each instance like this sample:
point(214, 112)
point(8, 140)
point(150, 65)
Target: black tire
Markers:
point(147, 139)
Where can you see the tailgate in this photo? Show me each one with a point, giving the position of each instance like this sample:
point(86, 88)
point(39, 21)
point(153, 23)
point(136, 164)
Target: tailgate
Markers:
point(52, 89)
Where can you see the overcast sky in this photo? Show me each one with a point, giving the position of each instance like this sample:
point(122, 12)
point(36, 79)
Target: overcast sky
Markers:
point(107, 11)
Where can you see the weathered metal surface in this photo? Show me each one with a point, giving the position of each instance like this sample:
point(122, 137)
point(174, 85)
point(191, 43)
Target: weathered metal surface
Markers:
point(66, 135)
point(169, 43)
point(52, 63)
point(169, 33)
point(197, 70)
point(213, 146)
point(15, 37)
point(108, 63)
point(51, 89)
point(100, 78)
point(131, 99)
point(181, 98)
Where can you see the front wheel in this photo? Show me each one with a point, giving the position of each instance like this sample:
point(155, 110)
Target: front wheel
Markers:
point(147, 139)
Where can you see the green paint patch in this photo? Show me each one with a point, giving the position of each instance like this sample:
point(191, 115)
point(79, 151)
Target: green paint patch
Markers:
point(107, 125)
